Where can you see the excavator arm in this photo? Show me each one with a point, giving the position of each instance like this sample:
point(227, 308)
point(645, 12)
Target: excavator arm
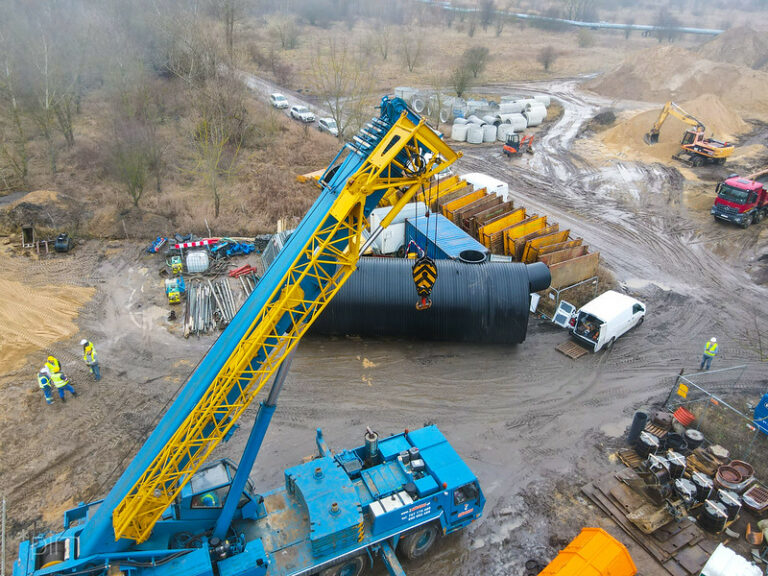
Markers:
point(671, 109)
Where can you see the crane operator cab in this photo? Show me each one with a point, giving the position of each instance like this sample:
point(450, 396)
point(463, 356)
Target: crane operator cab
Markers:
point(204, 496)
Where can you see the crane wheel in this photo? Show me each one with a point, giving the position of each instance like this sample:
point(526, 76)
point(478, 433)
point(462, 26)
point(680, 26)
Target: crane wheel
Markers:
point(355, 566)
point(417, 543)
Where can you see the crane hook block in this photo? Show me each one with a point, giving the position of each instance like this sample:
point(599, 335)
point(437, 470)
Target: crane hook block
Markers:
point(424, 276)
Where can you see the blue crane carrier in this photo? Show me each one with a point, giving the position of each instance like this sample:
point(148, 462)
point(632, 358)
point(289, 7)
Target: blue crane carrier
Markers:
point(170, 515)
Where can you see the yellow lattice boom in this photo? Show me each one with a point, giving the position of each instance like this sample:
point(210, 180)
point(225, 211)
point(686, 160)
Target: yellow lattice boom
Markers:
point(327, 259)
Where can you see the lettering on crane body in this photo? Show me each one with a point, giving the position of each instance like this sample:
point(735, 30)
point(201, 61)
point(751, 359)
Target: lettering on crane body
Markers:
point(418, 511)
point(466, 511)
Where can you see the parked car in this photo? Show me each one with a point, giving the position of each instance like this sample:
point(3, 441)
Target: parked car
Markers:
point(278, 100)
point(328, 125)
point(302, 113)
point(602, 320)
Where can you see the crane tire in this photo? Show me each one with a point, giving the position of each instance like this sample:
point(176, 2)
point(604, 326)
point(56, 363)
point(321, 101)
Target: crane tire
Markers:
point(418, 542)
point(355, 566)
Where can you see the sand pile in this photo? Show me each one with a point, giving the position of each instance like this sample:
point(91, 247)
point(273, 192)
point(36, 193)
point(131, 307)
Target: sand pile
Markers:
point(626, 138)
point(672, 73)
point(32, 318)
point(37, 197)
point(741, 46)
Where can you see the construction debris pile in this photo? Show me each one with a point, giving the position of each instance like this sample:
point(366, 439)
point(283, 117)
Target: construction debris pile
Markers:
point(510, 230)
point(681, 496)
point(200, 272)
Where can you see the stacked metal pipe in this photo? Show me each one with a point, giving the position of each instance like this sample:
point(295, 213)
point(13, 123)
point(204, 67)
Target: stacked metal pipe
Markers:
point(198, 310)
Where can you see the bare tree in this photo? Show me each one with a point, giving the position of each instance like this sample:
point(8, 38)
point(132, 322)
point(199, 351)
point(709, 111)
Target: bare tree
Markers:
point(229, 12)
point(460, 80)
point(547, 57)
point(667, 25)
point(219, 133)
point(487, 12)
point(130, 159)
point(475, 59)
point(287, 30)
point(383, 40)
point(13, 150)
point(344, 83)
point(412, 45)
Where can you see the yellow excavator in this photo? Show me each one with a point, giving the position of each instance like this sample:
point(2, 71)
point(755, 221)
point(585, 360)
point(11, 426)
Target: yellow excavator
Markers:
point(696, 149)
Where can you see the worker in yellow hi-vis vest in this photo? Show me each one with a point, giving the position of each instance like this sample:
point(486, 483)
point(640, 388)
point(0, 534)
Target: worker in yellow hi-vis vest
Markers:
point(710, 351)
point(89, 356)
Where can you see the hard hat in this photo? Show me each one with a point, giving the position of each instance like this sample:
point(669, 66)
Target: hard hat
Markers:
point(51, 359)
point(44, 370)
point(83, 342)
point(713, 339)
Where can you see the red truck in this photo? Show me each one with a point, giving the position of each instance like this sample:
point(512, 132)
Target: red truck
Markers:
point(741, 200)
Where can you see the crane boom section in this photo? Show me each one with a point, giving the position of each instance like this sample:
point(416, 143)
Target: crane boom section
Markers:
point(395, 169)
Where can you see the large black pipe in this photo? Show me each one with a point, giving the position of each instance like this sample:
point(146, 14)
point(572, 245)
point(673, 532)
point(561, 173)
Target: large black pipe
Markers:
point(486, 302)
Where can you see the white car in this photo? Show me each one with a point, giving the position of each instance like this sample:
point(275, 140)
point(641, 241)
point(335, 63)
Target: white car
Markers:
point(302, 113)
point(328, 125)
point(278, 100)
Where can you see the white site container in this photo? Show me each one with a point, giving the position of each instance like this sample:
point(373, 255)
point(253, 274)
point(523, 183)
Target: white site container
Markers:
point(197, 261)
point(491, 184)
point(392, 238)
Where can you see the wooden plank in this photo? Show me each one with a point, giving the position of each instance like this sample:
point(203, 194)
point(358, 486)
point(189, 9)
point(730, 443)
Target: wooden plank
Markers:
point(449, 208)
point(571, 349)
point(531, 248)
point(558, 256)
point(575, 270)
point(517, 245)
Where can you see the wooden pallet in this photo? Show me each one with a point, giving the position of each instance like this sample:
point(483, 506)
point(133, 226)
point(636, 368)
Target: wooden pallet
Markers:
point(572, 349)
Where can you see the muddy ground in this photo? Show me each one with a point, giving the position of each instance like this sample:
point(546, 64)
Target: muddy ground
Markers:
point(533, 424)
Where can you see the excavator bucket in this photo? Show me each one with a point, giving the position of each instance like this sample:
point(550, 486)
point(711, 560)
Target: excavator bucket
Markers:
point(651, 138)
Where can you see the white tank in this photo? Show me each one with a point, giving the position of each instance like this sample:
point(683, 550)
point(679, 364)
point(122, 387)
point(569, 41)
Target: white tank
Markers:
point(503, 130)
point(490, 119)
point(475, 134)
point(489, 133)
point(418, 104)
point(460, 121)
point(459, 132)
point(197, 261)
point(445, 114)
point(543, 98)
point(517, 121)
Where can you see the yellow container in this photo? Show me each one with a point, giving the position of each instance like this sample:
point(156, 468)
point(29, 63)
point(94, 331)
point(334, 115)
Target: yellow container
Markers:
point(449, 208)
point(510, 219)
point(593, 552)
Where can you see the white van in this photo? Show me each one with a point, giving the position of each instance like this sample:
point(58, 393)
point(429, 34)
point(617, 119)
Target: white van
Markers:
point(602, 320)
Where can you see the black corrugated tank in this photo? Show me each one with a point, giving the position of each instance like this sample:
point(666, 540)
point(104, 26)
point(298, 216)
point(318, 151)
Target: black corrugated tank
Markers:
point(486, 302)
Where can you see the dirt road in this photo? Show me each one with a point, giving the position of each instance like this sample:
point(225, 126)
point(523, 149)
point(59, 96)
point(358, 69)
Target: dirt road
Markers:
point(529, 421)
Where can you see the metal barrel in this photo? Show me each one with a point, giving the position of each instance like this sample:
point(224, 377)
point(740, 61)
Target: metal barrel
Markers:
point(482, 303)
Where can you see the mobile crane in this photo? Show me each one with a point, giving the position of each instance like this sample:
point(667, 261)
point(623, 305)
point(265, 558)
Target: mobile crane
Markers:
point(168, 516)
point(696, 150)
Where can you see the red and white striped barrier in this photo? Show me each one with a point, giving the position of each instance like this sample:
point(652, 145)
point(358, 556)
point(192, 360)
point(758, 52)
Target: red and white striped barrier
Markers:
point(197, 244)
